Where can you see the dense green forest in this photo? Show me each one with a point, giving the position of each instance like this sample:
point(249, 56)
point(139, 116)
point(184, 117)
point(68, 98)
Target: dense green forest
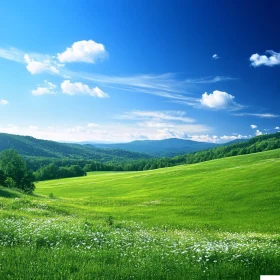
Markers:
point(29, 146)
point(46, 167)
point(40, 166)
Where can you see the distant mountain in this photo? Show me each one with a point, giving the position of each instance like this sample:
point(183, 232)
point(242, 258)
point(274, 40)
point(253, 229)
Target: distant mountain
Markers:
point(161, 148)
point(29, 146)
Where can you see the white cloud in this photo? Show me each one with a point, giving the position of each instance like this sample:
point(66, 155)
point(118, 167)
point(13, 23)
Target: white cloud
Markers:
point(167, 85)
point(157, 116)
point(10, 128)
point(218, 100)
point(4, 102)
point(80, 88)
point(37, 66)
point(83, 51)
point(265, 115)
point(92, 125)
point(258, 132)
point(215, 56)
point(163, 124)
point(277, 127)
point(12, 54)
point(148, 83)
point(217, 139)
point(258, 60)
point(47, 88)
point(253, 126)
point(33, 127)
point(171, 133)
point(111, 132)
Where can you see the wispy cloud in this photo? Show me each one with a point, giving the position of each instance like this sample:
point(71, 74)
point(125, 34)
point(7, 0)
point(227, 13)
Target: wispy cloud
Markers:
point(265, 115)
point(12, 54)
point(168, 85)
point(272, 58)
point(177, 116)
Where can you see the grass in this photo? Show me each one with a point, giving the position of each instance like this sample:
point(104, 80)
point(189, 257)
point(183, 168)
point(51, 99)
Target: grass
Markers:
point(212, 220)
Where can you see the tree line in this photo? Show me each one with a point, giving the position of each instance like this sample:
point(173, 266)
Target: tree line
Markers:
point(19, 173)
point(45, 168)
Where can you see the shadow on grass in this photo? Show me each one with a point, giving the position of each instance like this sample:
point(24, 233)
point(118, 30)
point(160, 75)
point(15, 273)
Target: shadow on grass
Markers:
point(8, 194)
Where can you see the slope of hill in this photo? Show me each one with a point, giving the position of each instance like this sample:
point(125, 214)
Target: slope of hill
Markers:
point(211, 220)
point(29, 146)
point(237, 193)
point(160, 148)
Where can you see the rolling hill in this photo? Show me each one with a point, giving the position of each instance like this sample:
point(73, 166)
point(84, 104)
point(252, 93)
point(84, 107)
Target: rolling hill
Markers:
point(210, 220)
point(160, 148)
point(32, 147)
point(234, 193)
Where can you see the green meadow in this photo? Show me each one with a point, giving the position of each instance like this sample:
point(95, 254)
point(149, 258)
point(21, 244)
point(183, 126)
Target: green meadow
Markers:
point(212, 220)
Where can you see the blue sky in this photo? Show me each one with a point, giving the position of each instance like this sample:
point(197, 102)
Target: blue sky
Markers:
point(115, 71)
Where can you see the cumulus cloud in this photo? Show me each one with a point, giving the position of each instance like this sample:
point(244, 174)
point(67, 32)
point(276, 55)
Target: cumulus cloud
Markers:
point(253, 126)
point(4, 102)
point(47, 88)
point(37, 66)
point(215, 56)
point(258, 132)
point(83, 51)
point(218, 100)
point(272, 58)
point(277, 127)
point(80, 88)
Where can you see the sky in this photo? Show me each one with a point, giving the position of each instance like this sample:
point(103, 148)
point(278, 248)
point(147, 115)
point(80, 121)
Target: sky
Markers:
point(118, 71)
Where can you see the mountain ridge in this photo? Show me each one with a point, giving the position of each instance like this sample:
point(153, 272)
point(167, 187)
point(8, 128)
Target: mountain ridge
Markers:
point(160, 148)
point(30, 146)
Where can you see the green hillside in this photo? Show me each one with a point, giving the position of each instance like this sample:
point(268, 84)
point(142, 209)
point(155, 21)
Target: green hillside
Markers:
point(32, 147)
point(212, 220)
point(238, 193)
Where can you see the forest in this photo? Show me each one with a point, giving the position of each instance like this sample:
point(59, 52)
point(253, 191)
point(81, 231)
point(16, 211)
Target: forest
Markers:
point(45, 169)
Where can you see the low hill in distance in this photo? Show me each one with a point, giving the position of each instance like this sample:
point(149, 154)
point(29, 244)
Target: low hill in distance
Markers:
point(32, 147)
point(161, 148)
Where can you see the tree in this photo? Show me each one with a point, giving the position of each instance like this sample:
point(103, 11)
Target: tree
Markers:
point(15, 171)
point(2, 178)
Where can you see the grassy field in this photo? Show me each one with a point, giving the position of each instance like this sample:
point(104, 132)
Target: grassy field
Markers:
point(212, 220)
